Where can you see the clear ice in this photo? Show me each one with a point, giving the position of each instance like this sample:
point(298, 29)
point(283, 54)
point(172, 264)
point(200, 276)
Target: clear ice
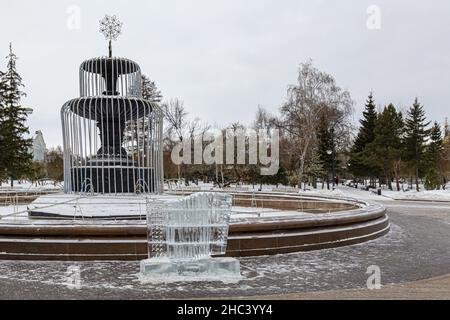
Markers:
point(184, 234)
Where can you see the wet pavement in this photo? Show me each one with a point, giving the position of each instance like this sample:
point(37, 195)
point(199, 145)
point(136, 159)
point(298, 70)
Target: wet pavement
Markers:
point(417, 247)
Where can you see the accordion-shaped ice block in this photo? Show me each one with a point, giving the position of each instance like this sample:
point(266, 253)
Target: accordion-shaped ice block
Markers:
point(190, 228)
point(184, 234)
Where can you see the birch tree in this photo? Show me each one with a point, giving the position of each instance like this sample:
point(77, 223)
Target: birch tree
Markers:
point(316, 93)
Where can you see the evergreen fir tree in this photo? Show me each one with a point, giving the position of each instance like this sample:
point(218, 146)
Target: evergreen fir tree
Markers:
point(446, 153)
point(365, 136)
point(279, 178)
point(433, 156)
point(150, 91)
point(385, 150)
point(366, 132)
point(326, 149)
point(2, 133)
point(416, 136)
point(14, 148)
point(315, 169)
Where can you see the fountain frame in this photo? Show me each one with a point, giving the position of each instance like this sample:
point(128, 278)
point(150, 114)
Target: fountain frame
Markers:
point(112, 136)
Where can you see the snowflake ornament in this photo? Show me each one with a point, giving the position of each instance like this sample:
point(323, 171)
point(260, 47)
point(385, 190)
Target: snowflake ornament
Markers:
point(111, 27)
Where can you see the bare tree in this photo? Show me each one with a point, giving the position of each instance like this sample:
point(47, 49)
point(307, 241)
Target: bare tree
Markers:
point(55, 165)
point(263, 119)
point(176, 120)
point(316, 93)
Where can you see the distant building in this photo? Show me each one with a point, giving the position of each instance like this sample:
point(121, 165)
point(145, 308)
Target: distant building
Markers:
point(39, 148)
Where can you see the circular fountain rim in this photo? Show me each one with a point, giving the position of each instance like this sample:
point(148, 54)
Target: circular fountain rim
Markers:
point(126, 240)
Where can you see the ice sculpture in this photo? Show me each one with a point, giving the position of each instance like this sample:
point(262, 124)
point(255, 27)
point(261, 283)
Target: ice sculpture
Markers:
point(185, 233)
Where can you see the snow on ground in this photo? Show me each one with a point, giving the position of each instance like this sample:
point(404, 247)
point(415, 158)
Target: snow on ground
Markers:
point(339, 192)
point(347, 192)
point(386, 195)
point(113, 208)
point(435, 195)
point(15, 212)
point(30, 187)
point(245, 212)
point(116, 206)
point(134, 205)
point(95, 205)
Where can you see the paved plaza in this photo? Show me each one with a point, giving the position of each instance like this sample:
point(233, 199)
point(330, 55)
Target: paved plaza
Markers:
point(413, 258)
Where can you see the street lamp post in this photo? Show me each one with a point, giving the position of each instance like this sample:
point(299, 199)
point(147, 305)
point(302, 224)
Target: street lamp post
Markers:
point(330, 153)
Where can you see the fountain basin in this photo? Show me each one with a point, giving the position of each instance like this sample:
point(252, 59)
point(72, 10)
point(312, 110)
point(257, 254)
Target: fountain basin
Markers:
point(59, 237)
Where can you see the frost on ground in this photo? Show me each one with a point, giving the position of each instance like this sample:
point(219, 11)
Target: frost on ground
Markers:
point(313, 270)
point(415, 248)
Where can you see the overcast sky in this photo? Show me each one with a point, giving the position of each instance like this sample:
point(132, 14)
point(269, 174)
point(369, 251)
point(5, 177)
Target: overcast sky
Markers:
point(226, 57)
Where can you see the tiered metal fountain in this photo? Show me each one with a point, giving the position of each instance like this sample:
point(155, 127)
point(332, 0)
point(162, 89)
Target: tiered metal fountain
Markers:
point(112, 136)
